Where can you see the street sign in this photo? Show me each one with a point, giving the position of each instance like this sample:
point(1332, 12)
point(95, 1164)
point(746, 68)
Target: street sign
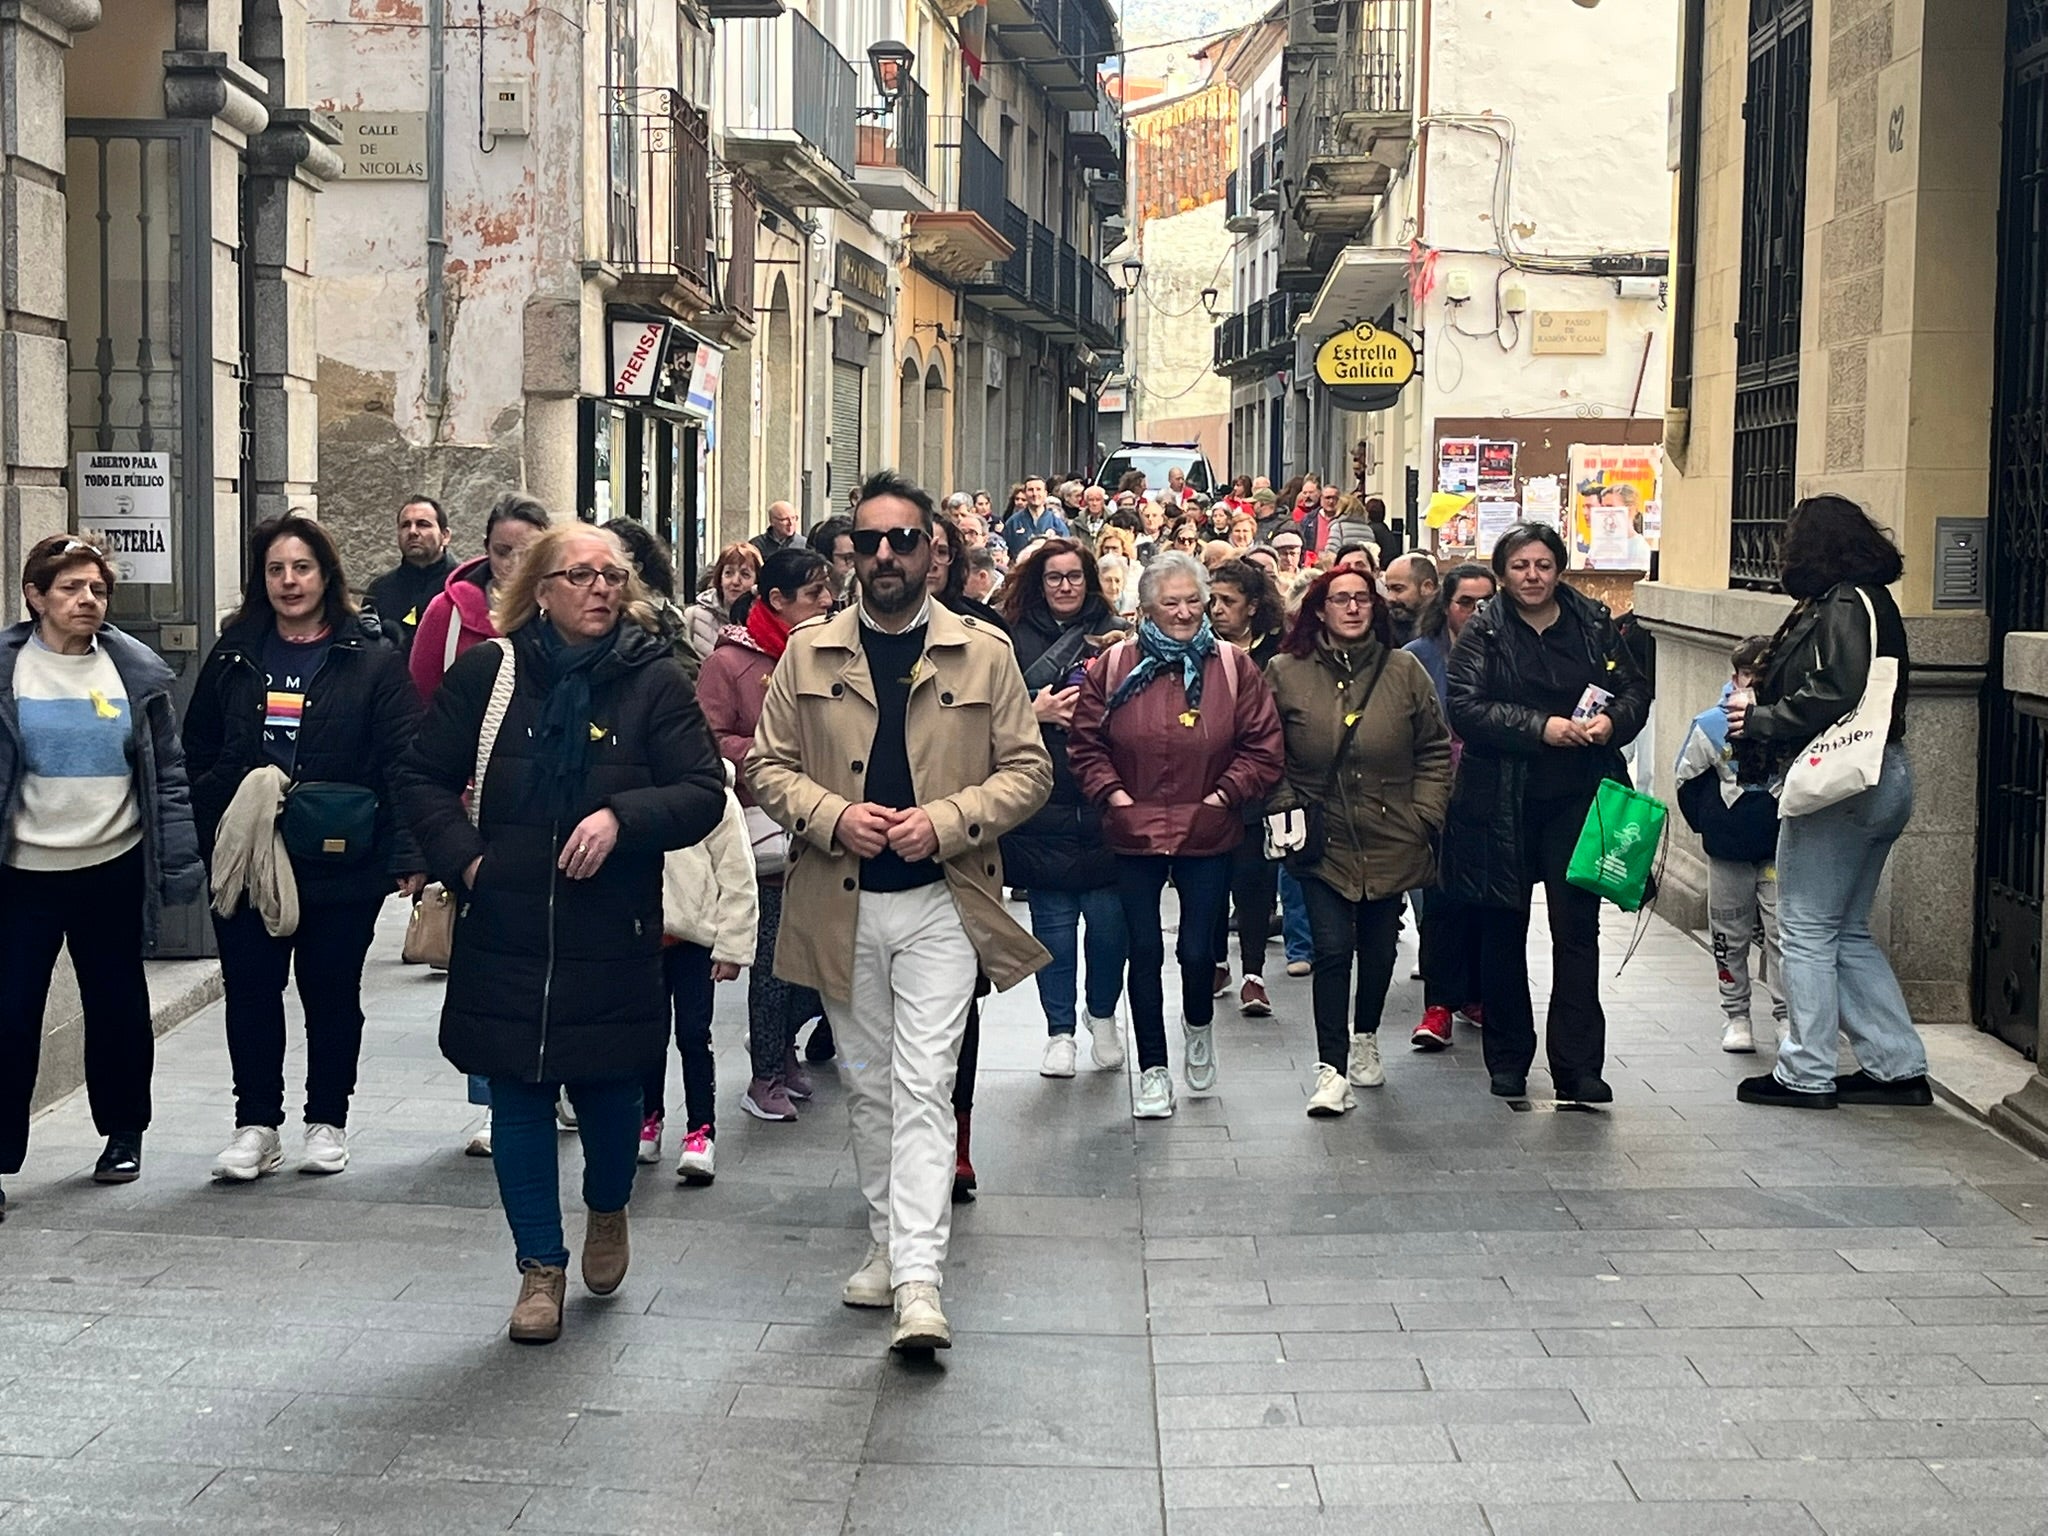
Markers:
point(1365, 368)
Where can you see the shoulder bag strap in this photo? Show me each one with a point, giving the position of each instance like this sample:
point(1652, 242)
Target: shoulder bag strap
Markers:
point(1351, 726)
point(487, 736)
point(454, 636)
point(1057, 659)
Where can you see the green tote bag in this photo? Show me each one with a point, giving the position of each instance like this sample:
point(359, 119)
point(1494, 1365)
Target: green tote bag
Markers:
point(1617, 847)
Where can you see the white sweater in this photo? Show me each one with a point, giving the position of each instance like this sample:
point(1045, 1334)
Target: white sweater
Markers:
point(708, 892)
point(78, 805)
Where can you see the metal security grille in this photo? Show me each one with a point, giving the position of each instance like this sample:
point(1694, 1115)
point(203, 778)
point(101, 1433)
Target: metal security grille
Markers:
point(2013, 758)
point(1773, 248)
point(847, 384)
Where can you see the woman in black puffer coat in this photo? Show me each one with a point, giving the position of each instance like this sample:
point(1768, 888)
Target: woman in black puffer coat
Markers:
point(1520, 669)
point(599, 766)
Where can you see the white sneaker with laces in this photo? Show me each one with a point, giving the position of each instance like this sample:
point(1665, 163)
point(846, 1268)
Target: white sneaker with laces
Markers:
point(1198, 1056)
point(255, 1151)
point(1332, 1096)
point(480, 1143)
point(1364, 1068)
point(869, 1285)
point(1737, 1038)
point(1155, 1095)
point(326, 1149)
point(1106, 1041)
point(1059, 1057)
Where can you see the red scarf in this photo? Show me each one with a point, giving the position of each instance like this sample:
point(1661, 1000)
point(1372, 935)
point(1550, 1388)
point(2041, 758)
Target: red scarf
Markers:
point(767, 628)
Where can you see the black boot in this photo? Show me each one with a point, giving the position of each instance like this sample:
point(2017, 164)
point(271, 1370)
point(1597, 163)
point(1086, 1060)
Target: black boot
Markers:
point(121, 1163)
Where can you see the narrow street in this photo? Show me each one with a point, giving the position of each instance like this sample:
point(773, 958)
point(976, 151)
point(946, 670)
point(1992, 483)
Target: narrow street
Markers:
point(1438, 1315)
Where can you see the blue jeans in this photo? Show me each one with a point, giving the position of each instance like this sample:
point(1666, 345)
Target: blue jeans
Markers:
point(1055, 915)
point(479, 1089)
point(528, 1163)
point(1203, 885)
point(1294, 930)
point(1836, 978)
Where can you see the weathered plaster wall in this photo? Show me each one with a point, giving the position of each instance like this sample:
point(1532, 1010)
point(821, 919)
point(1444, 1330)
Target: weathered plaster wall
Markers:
point(1171, 332)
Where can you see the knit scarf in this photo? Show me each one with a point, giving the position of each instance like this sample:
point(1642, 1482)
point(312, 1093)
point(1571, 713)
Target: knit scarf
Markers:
point(1159, 653)
point(766, 628)
point(562, 739)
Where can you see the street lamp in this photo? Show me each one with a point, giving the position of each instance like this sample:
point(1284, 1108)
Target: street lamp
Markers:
point(1133, 270)
point(1209, 301)
point(891, 63)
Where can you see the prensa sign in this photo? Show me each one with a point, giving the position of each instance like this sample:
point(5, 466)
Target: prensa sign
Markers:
point(638, 353)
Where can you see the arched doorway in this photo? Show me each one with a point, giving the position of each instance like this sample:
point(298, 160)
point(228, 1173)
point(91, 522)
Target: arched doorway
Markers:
point(909, 418)
point(778, 476)
point(934, 406)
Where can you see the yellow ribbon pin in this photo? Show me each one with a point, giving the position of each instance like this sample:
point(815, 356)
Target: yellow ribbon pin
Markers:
point(102, 706)
point(1188, 717)
point(596, 731)
point(1352, 718)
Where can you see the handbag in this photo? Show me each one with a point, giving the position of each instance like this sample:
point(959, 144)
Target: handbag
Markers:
point(771, 843)
point(1616, 854)
point(430, 932)
point(1298, 835)
point(1848, 757)
point(328, 822)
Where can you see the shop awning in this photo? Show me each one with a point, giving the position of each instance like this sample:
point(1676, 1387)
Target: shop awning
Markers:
point(1364, 280)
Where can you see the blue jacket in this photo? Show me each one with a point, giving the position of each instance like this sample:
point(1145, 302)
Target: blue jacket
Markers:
point(1020, 527)
point(1734, 820)
point(172, 871)
point(1435, 656)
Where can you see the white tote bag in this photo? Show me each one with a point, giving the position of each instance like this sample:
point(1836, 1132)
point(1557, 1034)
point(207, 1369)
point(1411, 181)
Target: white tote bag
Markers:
point(1847, 757)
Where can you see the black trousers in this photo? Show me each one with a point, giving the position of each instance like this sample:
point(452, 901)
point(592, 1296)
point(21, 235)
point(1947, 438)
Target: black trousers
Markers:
point(1450, 951)
point(98, 913)
point(1341, 930)
point(1203, 883)
point(1575, 1032)
point(1254, 887)
point(970, 1061)
point(326, 955)
point(691, 991)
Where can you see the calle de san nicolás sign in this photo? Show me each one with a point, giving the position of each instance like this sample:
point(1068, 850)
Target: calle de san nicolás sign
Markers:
point(382, 146)
point(1365, 368)
point(860, 277)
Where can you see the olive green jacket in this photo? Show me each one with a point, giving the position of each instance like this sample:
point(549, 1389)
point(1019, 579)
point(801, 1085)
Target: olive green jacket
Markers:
point(1384, 805)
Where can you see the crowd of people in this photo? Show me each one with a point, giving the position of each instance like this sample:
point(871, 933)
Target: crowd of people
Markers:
point(825, 765)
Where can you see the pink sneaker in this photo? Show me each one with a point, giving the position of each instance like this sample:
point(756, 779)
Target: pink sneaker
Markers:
point(767, 1098)
point(695, 1164)
point(794, 1077)
point(650, 1139)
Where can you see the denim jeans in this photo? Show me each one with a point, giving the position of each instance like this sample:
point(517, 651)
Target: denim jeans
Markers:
point(1366, 930)
point(1055, 915)
point(1294, 929)
point(527, 1160)
point(1836, 978)
point(1203, 885)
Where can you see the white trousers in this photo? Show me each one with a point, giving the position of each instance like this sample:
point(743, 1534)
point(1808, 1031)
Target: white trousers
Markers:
point(899, 1049)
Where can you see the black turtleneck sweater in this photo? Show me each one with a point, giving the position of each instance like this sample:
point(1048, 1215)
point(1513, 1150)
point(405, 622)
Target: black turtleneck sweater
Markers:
point(891, 659)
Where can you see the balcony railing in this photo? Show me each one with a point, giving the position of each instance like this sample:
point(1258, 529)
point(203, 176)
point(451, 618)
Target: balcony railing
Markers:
point(1044, 280)
point(1068, 299)
point(981, 178)
point(1282, 310)
point(1099, 317)
point(659, 190)
point(1095, 135)
point(743, 224)
point(782, 77)
point(900, 141)
point(1013, 275)
point(1369, 76)
point(1255, 329)
point(1260, 167)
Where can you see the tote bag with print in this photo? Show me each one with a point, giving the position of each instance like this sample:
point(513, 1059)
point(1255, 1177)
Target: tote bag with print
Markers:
point(1847, 757)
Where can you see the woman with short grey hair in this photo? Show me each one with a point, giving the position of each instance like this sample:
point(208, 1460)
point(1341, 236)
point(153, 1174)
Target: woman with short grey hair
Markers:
point(1173, 562)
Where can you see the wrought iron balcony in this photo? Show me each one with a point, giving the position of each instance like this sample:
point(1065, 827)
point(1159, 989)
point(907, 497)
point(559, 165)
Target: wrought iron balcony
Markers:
point(1351, 108)
point(658, 228)
point(789, 111)
point(892, 155)
point(963, 233)
point(736, 214)
point(1060, 43)
point(1095, 135)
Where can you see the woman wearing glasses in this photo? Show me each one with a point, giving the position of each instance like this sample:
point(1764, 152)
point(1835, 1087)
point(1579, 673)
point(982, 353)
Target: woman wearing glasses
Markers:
point(96, 838)
point(1366, 743)
point(599, 764)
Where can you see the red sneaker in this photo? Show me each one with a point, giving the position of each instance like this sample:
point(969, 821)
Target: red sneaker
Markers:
point(1434, 1032)
point(1471, 1014)
point(964, 1181)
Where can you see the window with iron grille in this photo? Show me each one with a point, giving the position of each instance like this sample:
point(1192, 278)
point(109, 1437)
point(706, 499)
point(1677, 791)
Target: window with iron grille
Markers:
point(1773, 250)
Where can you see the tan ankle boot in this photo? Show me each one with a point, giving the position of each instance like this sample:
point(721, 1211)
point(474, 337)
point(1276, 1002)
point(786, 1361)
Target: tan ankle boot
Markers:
point(537, 1315)
point(606, 1251)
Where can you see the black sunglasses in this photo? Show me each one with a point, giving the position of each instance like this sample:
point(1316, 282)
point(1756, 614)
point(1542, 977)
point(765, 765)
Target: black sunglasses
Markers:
point(867, 542)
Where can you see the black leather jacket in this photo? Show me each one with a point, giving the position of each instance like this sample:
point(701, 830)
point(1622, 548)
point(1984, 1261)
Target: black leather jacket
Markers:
point(1482, 841)
point(1817, 672)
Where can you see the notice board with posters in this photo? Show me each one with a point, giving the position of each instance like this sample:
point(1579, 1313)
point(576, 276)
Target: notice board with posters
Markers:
point(1543, 449)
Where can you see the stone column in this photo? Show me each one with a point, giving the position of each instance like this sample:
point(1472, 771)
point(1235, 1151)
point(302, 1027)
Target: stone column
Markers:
point(33, 363)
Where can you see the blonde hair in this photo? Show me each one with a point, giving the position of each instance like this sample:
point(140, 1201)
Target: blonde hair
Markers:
point(519, 599)
point(1117, 539)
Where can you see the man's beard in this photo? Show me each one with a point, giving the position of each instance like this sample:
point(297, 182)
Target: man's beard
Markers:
point(901, 600)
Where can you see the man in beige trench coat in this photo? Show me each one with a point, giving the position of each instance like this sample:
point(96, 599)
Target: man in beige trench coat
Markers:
point(896, 745)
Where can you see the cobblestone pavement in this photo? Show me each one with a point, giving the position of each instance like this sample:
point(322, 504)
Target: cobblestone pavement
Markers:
point(1438, 1315)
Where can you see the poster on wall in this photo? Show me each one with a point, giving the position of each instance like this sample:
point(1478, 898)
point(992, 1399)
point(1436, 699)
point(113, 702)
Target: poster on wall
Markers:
point(124, 506)
point(1615, 506)
point(1457, 465)
point(1543, 501)
point(1495, 518)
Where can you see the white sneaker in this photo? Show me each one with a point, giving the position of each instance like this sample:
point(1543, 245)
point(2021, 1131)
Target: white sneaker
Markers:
point(869, 1285)
point(919, 1322)
point(650, 1141)
point(255, 1151)
point(1059, 1057)
point(1155, 1095)
point(1737, 1038)
point(565, 1112)
point(1106, 1041)
point(326, 1149)
point(1198, 1056)
point(1332, 1096)
point(1364, 1068)
point(480, 1143)
point(697, 1163)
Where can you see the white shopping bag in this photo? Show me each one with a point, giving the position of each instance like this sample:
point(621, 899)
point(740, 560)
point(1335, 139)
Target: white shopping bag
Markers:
point(1847, 757)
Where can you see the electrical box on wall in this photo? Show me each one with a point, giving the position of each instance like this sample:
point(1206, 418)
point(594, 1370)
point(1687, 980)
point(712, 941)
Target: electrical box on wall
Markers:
point(508, 107)
point(1959, 562)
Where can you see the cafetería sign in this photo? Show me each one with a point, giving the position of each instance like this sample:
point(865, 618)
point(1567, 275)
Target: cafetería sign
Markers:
point(1365, 368)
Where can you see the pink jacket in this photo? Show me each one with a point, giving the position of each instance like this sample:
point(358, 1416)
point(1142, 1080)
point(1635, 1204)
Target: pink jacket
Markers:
point(730, 690)
point(462, 604)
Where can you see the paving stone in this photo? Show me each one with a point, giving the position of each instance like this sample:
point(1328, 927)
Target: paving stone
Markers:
point(1550, 1480)
point(1240, 1488)
point(896, 1500)
point(1978, 1517)
point(1296, 1446)
point(1918, 1439)
point(1703, 1519)
point(1356, 1520)
point(1907, 1482)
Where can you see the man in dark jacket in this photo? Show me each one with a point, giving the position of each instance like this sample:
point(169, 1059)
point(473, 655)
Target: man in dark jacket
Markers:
point(400, 596)
point(781, 532)
point(1736, 817)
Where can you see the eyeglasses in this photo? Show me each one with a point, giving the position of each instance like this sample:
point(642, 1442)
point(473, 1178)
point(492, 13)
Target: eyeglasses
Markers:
point(580, 576)
point(1187, 538)
point(1064, 578)
point(867, 542)
point(1350, 599)
point(1466, 600)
